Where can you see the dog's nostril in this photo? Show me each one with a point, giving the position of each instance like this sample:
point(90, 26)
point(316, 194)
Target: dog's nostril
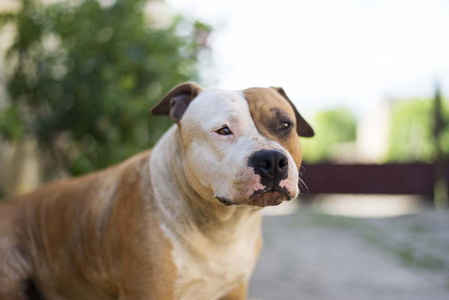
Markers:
point(283, 163)
point(266, 165)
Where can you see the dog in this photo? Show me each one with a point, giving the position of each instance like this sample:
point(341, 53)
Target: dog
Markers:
point(182, 221)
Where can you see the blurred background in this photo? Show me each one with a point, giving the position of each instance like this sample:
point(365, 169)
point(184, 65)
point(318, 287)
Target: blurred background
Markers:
point(78, 79)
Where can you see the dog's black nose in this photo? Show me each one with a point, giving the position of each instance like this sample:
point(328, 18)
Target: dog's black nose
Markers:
point(271, 165)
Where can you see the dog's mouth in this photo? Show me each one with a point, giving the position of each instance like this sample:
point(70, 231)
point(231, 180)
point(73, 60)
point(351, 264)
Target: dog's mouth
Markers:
point(269, 197)
point(224, 201)
point(261, 198)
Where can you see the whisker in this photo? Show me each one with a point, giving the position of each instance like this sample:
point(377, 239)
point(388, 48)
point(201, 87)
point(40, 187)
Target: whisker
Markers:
point(303, 185)
point(301, 189)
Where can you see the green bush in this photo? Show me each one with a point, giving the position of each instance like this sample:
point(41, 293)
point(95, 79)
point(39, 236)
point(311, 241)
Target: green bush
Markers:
point(411, 131)
point(82, 78)
point(331, 127)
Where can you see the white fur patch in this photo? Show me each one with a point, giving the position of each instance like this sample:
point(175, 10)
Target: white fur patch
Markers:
point(208, 270)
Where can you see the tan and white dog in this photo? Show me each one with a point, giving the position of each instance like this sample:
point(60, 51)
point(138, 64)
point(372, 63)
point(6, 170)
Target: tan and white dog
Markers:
point(182, 221)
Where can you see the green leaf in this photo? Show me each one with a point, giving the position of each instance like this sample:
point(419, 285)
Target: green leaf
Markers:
point(84, 78)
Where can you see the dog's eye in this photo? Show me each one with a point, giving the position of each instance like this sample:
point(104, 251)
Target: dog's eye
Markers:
point(224, 131)
point(285, 125)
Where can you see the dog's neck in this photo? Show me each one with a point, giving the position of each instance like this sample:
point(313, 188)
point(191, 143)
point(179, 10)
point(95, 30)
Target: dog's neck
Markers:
point(186, 210)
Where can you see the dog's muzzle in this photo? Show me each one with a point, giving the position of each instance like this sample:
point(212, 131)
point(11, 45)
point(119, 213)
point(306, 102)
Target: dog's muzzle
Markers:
point(271, 166)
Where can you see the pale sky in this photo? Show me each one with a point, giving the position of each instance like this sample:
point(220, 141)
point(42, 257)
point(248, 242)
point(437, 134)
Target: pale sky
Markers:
point(327, 53)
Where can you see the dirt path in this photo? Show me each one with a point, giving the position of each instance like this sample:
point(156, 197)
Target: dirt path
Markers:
point(318, 257)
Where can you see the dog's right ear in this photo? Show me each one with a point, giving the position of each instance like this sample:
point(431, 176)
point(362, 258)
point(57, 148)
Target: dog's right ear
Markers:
point(302, 127)
point(175, 103)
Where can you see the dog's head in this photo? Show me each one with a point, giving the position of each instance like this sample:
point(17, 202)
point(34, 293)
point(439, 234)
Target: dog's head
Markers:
point(240, 147)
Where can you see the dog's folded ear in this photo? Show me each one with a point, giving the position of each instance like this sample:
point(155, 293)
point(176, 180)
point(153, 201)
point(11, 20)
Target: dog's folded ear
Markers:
point(302, 127)
point(175, 103)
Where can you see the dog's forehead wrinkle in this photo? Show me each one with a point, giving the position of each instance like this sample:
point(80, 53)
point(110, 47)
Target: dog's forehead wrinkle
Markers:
point(227, 117)
point(214, 108)
point(219, 102)
point(279, 113)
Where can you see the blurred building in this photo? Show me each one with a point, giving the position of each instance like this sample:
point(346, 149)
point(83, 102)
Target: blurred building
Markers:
point(19, 163)
point(373, 133)
point(371, 144)
point(6, 35)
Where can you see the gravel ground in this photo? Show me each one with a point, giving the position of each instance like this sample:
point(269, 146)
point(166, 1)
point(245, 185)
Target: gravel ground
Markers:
point(321, 257)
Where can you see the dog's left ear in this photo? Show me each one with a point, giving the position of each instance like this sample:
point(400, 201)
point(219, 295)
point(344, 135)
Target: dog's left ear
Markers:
point(175, 103)
point(302, 127)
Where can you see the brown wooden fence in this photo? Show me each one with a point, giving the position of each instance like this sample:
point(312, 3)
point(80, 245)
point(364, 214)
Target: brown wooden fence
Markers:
point(411, 178)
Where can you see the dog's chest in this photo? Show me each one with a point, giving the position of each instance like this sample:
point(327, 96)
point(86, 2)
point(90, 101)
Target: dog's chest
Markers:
point(208, 270)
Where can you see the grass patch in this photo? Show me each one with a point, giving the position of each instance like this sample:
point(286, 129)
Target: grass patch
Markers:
point(373, 239)
point(333, 221)
point(446, 285)
point(409, 257)
point(418, 229)
point(407, 253)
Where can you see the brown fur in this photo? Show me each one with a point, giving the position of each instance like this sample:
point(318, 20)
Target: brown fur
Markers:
point(87, 238)
point(263, 105)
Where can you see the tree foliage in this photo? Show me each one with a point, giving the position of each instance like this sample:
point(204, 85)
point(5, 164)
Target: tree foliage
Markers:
point(83, 77)
point(411, 131)
point(331, 127)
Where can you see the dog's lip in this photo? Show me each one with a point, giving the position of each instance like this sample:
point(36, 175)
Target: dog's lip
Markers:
point(271, 197)
point(224, 201)
point(228, 202)
point(270, 190)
